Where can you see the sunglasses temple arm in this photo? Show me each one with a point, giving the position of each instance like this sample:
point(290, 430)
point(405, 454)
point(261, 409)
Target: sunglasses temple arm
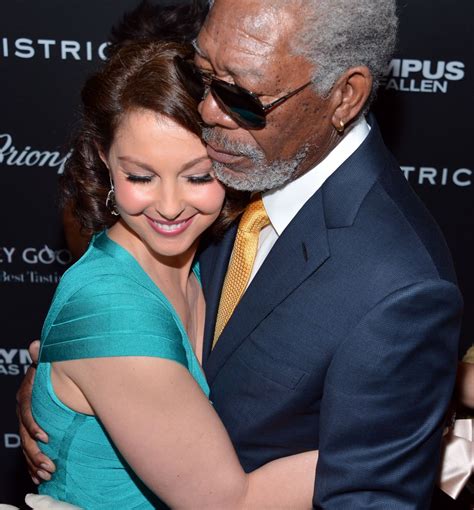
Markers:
point(269, 107)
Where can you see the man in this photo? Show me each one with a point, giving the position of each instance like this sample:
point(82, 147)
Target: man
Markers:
point(345, 339)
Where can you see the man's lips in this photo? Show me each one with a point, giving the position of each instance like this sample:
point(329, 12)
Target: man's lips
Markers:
point(222, 157)
point(170, 228)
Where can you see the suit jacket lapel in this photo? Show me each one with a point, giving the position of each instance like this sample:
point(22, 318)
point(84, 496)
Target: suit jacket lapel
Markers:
point(302, 248)
point(214, 261)
point(300, 251)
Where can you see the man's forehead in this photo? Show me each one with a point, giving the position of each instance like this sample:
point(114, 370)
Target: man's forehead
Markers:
point(243, 28)
point(243, 24)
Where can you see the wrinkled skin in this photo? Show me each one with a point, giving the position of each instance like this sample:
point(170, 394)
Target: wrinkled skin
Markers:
point(248, 43)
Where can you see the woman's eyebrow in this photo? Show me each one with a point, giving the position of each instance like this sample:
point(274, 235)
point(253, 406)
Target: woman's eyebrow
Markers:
point(193, 162)
point(136, 162)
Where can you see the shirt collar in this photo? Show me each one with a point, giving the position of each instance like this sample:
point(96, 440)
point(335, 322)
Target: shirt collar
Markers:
point(284, 203)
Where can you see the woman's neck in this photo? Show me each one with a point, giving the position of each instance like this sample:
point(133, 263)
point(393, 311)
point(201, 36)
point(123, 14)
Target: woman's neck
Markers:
point(172, 275)
point(169, 273)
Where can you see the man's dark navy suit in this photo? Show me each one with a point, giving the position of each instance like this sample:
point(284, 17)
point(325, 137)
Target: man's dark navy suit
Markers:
point(346, 340)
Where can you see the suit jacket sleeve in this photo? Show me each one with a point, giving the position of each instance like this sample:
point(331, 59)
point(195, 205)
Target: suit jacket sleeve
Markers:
point(385, 397)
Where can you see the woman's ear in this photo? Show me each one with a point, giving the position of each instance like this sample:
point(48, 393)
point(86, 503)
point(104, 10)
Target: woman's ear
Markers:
point(350, 94)
point(102, 155)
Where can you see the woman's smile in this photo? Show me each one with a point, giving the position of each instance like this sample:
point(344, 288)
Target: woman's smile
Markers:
point(165, 189)
point(170, 228)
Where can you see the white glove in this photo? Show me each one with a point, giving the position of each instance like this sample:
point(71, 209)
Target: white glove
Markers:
point(37, 502)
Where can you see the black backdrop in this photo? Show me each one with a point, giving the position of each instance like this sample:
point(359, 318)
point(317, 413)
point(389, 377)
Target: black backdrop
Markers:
point(48, 47)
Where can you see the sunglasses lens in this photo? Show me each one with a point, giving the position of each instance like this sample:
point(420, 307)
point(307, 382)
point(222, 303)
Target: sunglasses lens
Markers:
point(235, 101)
point(240, 105)
point(191, 78)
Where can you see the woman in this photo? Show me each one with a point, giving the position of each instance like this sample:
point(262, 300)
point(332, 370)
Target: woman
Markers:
point(119, 388)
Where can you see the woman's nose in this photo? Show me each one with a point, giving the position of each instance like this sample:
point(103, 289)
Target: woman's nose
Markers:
point(169, 205)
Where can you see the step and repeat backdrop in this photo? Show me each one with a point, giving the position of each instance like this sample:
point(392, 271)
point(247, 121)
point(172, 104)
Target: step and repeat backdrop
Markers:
point(47, 48)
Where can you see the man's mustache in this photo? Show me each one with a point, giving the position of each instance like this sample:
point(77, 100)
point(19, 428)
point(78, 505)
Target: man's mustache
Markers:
point(219, 141)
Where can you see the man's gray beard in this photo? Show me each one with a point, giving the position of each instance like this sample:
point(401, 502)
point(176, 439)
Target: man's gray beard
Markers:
point(262, 175)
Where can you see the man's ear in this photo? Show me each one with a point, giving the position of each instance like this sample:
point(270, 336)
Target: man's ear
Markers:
point(349, 95)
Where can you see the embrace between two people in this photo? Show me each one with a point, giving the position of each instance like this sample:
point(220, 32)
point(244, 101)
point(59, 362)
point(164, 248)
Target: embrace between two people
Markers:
point(323, 328)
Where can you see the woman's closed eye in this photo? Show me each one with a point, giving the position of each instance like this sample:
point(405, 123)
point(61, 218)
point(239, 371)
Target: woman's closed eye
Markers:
point(201, 178)
point(144, 179)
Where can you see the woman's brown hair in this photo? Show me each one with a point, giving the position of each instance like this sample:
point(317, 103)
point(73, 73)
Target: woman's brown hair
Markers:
point(139, 75)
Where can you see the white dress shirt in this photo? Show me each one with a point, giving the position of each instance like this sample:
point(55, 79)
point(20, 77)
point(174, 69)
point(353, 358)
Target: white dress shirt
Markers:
point(284, 203)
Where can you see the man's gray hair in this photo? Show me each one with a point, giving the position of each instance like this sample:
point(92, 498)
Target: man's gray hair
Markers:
point(339, 34)
point(336, 35)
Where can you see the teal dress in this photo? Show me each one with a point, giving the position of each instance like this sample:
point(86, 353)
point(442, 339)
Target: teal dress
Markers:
point(105, 305)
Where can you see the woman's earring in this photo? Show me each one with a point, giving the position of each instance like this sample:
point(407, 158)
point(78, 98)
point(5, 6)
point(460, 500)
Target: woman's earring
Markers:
point(340, 128)
point(110, 201)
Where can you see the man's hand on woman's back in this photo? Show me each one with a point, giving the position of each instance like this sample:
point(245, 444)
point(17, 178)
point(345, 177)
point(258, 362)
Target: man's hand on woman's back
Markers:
point(40, 467)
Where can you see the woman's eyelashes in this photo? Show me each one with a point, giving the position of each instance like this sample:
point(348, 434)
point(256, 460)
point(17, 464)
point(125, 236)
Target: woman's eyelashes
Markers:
point(200, 179)
point(139, 178)
point(192, 179)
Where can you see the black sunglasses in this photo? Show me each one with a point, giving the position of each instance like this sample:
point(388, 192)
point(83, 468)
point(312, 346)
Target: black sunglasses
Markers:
point(242, 105)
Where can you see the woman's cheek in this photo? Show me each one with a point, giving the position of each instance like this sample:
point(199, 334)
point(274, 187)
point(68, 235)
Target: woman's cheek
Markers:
point(132, 200)
point(214, 198)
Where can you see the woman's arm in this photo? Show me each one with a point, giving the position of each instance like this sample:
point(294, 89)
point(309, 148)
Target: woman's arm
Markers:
point(286, 483)
point(168, 431)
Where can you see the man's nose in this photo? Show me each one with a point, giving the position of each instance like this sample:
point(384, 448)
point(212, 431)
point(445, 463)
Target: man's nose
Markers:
point(213, 114)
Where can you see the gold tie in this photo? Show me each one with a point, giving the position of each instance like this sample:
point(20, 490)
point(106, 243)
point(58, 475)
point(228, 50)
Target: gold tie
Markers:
point(241, 262)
